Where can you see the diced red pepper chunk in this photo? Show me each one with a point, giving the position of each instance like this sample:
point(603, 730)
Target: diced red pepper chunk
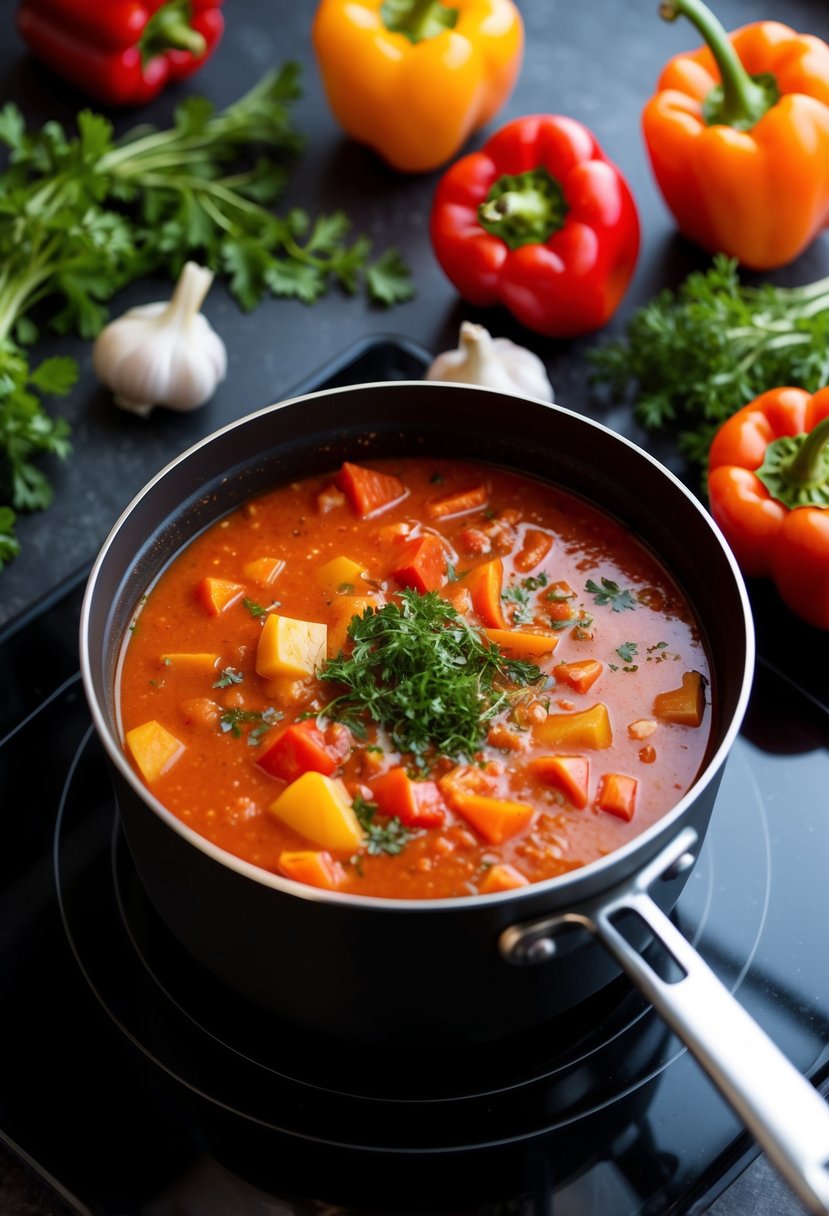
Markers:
point(367, 490)
point(417, 804)
point(421, 564)
point(458, 503)
point(304, 748)
point(617, 795)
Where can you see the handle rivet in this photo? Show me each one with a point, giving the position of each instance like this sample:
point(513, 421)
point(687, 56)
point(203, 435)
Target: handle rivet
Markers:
point(682, 863)
point(539, 950)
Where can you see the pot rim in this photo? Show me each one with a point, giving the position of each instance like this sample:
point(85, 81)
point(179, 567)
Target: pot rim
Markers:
point(560, 883)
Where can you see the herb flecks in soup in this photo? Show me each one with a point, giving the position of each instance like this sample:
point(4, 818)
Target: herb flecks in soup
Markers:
point(416, 680)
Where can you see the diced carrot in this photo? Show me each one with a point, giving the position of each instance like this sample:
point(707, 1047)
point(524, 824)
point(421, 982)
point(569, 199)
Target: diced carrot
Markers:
point(466, 779)
point(580, 675)
point(421, 564)
point(300, 748)
point(685, 705)
point(458, 596)
point(264, 570)
point(536, 546)
point(570, 774)
point(217, 595)
point(341, 613)
point(458, 503)
point(315, 869)
point(496, 819)
point(502, 877)
point(522, 644)
point(415, 803)
point(588, 728)
point(617, 795)
point(485, 583)
point(647, 754)
point(367, 490)
point(153, 749)
point(560, 611)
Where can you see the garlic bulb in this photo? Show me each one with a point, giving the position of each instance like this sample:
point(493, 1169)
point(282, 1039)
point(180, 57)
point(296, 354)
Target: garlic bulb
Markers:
point(493, 362)
point(165, 353)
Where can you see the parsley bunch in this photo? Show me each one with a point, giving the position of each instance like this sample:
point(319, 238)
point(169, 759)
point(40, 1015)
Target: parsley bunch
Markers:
point(81, 216)
point(421, 671)
point(694, 357)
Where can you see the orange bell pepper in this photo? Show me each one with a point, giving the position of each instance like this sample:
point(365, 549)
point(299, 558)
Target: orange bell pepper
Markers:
point(414, 79)
point(738, 138)
point(768, 484)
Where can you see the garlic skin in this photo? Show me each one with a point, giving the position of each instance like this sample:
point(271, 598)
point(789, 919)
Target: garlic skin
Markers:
point(494, 363)
point(165, 353)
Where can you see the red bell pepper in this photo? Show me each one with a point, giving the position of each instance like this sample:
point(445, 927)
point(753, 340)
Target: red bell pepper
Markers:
point(540, 221)
point(121, 52)
point(768, 484)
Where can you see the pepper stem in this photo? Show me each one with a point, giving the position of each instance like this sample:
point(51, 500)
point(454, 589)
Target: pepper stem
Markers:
point(418, 19)
point(741, 100)
point(524, 208)
point(795, 470)
point(169, 28)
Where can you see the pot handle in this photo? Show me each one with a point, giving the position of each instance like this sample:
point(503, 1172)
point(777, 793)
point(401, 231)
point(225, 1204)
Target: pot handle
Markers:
point(783, 1111)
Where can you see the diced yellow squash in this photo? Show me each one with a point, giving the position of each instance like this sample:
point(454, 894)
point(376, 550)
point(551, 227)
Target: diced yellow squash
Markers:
point(191, 663)
point(588, 728)
point(684, 706)
point(522, 645)
point(319, 809)
point(153, 749)
point(288, 647)
point(340, 572)
point(343, 610)
point(264, 570)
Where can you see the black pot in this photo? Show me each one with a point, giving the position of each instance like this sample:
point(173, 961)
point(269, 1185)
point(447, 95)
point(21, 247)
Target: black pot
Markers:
point(403, 971)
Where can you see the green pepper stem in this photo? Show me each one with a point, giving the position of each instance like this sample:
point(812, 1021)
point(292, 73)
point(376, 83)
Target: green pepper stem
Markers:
point(744, 101)
point(418, 19)
point(524, 208)
point(807, 468)
point(169, 28)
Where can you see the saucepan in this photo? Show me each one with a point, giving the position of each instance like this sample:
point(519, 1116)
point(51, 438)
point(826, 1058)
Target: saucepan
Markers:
point(483, 967)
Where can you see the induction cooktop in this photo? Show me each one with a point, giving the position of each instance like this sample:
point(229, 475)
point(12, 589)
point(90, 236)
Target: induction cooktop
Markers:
point(139, 1087)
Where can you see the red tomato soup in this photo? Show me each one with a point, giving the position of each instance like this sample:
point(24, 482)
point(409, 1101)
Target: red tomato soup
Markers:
point(421, 679)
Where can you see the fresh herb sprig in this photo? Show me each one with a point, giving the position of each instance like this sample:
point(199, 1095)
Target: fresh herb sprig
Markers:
point(232, 719)
point(691, 358)
point(81, 216)
point(425, 674)
point(389, 836)
point(610, 593)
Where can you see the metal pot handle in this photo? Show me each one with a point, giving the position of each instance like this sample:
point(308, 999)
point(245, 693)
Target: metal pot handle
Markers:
point(786, 1115)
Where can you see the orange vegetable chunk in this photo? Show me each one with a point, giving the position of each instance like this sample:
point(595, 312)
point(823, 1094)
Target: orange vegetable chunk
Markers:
point(421, 564)
point(217, 595)
point(587, 728)
point(264, 570)
point(191, 662)
point(367, 490)
point(684, 706)
point(521, 644)
point(536, 546)
point(458, 503)
point(617, 795)
point(415, 803)
point(502, 877)
point(342, 612)
point(153, 749)
point(317, 869)
point(496, 819)
point(570, 774)
point(485, 583)
point(581, 675)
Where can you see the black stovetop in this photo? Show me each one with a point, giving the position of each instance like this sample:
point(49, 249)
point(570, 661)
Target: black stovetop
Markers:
point(131, 1079)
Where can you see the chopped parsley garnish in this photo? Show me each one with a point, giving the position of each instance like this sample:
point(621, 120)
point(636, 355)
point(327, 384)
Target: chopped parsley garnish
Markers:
point(425, 674)
point(232, 719)
point(228, 676)
point(610, 593)
point(388, 837)
point(627, 651)
point(519, 595)
point(253, 608)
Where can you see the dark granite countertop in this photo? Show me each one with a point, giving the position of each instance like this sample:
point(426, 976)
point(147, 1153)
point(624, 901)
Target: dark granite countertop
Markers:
point(596, 61)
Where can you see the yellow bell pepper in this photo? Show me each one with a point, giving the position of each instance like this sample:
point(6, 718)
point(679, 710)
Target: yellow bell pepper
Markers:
point(414, 79)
